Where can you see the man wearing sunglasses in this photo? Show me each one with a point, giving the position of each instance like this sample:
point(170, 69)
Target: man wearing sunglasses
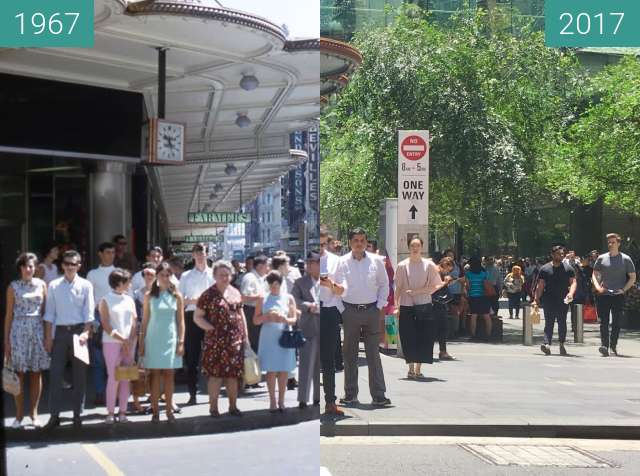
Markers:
point(69, 311)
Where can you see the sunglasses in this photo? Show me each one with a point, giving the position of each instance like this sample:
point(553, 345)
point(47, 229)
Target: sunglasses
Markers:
point(69, 263)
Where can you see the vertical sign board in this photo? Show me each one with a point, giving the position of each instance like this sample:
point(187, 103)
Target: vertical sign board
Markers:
point(413, 189)
point(314, 185)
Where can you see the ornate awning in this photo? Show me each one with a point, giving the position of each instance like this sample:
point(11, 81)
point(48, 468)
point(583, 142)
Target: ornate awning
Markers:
point(338, 60)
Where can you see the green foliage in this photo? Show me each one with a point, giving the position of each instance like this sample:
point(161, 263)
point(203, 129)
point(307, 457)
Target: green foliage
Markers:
point(598, 155)
point(487, 97)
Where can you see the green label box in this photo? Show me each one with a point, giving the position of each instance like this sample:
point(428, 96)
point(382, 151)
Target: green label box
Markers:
point(46, 23)
point(592, 23)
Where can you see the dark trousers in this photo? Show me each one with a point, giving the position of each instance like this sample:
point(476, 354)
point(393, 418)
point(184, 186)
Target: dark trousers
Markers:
point(417, 331)
point(338, 358)
point(98, 367)
point(63, 351)
point(253, 330)
point(441, 314)
point(193, 336)
point(610, 305)
point(514, 303)
point(494, 301)
point(556, 311)
point(329, 336)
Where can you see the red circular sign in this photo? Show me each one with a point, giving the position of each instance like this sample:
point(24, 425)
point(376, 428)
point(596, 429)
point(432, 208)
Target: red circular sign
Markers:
point(413, 148)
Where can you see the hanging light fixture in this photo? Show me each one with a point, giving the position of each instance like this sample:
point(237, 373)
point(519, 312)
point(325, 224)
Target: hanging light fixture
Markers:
point(243, 120)
point(217, 187)
point(213, 195)
point(249, 82)
point(230, 169)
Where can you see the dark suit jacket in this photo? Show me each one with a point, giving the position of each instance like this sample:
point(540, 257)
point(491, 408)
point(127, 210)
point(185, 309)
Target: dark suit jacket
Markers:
point(309, 323)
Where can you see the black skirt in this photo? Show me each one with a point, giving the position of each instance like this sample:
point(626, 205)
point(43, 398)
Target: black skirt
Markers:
point(417, 335)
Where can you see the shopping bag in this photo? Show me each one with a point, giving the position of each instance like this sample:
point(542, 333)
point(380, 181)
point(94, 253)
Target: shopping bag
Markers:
point(391, 329)
point(252, 374)
point(535, 314)
point(589, 313)
point(10, 380)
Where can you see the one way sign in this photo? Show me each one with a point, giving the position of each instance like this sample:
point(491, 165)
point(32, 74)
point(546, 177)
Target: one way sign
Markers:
point(413, 178)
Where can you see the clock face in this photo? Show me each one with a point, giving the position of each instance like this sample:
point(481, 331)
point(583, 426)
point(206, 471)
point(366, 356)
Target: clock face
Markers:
point(169, 141)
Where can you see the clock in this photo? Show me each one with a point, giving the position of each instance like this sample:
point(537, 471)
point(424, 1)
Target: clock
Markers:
point(166, 142)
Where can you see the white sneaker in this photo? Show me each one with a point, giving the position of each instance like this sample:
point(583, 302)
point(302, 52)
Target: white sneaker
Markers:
point(110, 420)
point(122, 419)
point(36, 422)
point(17, 424)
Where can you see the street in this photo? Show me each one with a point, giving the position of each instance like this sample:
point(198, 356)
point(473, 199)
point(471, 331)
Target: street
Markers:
point(435, 456)
point(279, 451)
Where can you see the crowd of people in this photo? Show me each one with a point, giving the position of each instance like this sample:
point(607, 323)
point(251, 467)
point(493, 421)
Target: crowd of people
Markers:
point(361, 286)
point(154, 320)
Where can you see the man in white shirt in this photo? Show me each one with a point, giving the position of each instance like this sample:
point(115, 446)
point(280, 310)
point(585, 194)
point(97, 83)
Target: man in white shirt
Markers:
point(330, 309)
point(154, 255)
point(253, 289)
point(192, 284)
point(99, 278)
point(362, 282)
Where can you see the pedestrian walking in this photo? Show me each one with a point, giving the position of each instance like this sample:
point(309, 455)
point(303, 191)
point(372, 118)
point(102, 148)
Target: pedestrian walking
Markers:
point(613, 275)
point(493, 277)
point(363, 284)
point(330, 308)
point(513, 285)
point(162, 338)
point(24, 349)
point(274, 313)
point(219, 314)
point(416, 279)
point(442, 298)
point(476, 281)
point(99, 279)
point(119, 336)
point(306, 292)
point(192, 284)
point(70, 310)
point(555, 290)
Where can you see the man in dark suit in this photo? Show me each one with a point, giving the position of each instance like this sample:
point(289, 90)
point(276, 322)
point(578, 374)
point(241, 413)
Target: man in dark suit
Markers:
point(306, 291)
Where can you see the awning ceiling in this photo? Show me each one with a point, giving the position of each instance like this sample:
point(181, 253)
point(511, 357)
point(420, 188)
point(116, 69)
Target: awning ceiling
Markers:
point(209, 50)
point(338, 60)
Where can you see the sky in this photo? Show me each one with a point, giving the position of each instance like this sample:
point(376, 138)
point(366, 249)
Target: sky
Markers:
point(302, 17)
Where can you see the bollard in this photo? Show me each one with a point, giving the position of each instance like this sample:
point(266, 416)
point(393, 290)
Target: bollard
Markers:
point(578, 335)
point(527, 325)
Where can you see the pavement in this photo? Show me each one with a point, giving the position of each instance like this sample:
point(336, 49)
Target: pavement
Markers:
point(193, 420)
point(290, 450)
point(460, 456)
point(505, 389)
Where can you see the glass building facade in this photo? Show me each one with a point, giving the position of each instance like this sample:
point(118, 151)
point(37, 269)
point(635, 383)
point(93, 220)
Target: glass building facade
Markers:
point(340, 19)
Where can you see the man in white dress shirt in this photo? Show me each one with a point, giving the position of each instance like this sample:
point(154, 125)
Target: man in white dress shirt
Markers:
point(99, 278)
point(330, 309)
point(192, 284)
point(363, 284)
point(254, 288)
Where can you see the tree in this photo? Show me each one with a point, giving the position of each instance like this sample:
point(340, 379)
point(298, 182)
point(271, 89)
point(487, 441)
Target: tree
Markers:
point(598, 155)
point(487, 97)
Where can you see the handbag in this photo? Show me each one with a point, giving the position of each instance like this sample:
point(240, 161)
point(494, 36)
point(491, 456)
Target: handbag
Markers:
point(10, 380)
point(127, 372)
point(138, 386)
point(252, 374)
point(291, 338)
point(535, 315)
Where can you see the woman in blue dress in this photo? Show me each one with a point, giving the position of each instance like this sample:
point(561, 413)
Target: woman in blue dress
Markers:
point(275, 313)
point(162, 337)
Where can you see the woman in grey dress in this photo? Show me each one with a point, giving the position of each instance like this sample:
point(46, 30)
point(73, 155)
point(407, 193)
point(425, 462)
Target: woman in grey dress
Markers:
point(24, 334)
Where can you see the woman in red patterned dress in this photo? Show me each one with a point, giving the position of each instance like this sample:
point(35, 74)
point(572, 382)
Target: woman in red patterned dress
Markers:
point(219, 314)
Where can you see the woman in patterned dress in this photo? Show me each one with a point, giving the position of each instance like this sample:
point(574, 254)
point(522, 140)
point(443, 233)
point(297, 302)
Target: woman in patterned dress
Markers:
point(219, 313)
point(24, 334)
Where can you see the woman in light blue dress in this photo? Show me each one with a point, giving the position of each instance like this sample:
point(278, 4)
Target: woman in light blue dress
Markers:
point(275, 313)
point(162, 337)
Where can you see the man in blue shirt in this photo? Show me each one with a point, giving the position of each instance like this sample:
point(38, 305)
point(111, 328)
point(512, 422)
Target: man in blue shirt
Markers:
point(69, 312)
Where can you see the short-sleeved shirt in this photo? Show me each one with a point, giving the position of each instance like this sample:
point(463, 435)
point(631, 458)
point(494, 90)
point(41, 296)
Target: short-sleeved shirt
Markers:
point(614, 270)
point(476, 283)
point(122, 313)
point(556, 281)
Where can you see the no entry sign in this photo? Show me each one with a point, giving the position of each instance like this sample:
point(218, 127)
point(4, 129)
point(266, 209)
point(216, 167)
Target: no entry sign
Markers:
point(413, 147)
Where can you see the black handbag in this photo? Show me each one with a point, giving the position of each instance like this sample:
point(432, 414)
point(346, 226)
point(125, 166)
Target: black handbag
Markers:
point(423, 312)
point(292, 339)
point(442, 296)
